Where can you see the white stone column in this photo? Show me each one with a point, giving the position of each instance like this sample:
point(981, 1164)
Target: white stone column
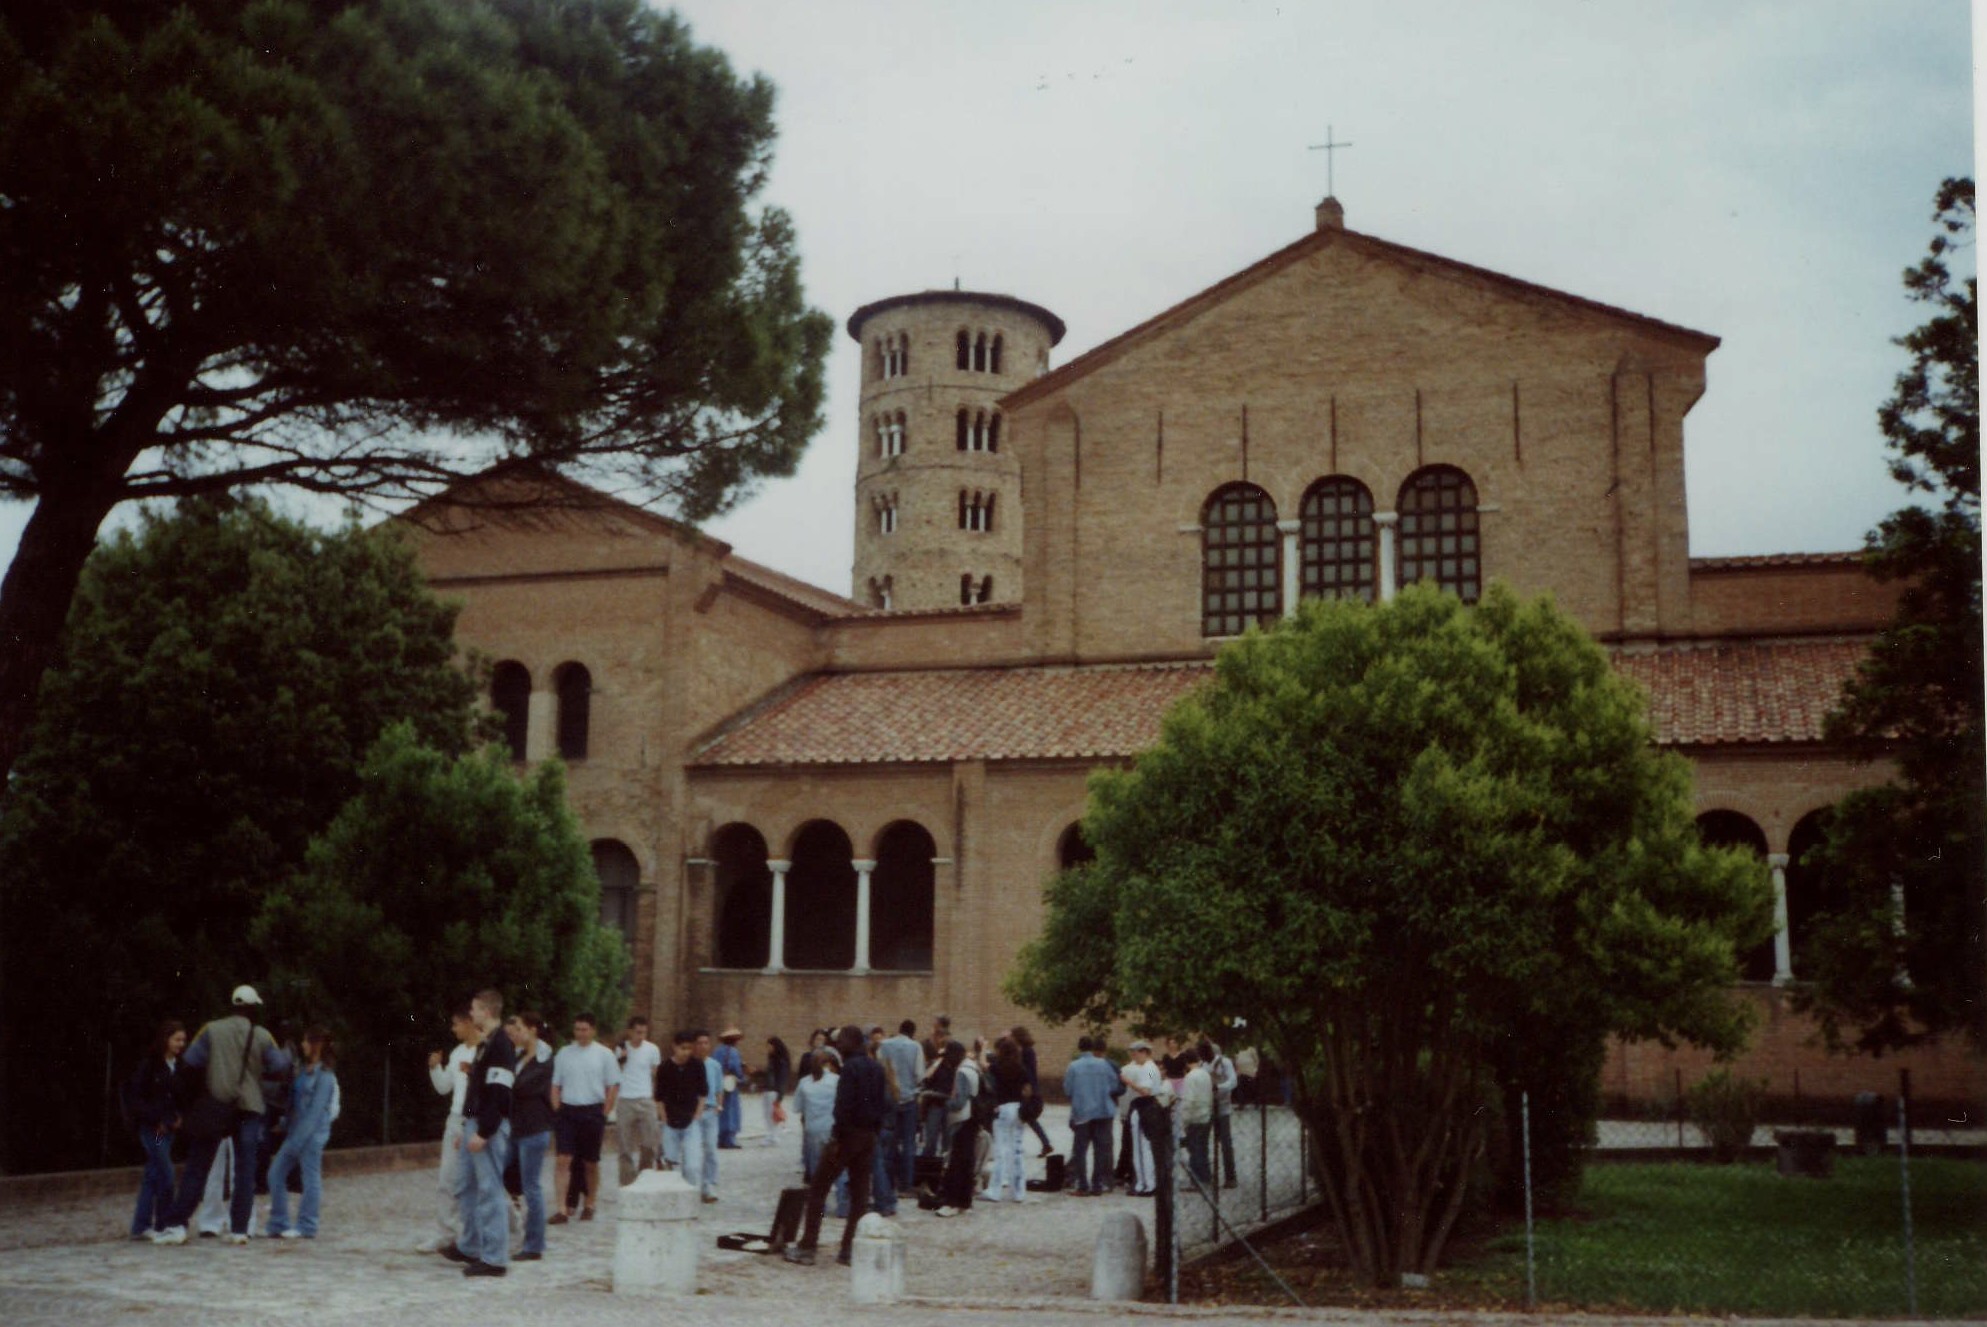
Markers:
point(541, 718)
point(776, 952)
point(863, 868)
point(1293, 567)
point(1385, 521)
point(1783, 948)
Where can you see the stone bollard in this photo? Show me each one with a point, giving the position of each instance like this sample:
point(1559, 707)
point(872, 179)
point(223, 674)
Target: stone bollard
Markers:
point(1117, 1270)
point(876, 1262)
point(655, 1244)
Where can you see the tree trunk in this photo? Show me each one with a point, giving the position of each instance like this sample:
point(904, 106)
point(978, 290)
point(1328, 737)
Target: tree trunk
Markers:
point(34, 601)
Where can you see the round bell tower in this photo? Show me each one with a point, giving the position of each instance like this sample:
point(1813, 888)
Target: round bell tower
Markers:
point(938, 486)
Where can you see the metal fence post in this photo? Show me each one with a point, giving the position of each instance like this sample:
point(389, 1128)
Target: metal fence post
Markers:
point(1262, 1150)
point(1904, 1171)
point(1525, 1130)
point(1679, 1074)
point(386, 1098)
point(1904, 1107)
point(109, 1095)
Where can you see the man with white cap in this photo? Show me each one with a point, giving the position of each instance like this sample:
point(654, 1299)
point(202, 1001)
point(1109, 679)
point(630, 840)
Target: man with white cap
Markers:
point(234, 1053)
point(1141, 1078)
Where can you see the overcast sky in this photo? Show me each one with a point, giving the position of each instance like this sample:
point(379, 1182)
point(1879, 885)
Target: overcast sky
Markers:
point(1759, 171)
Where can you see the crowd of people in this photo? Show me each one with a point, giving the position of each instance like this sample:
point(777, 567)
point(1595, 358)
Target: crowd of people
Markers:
point(882, 1118)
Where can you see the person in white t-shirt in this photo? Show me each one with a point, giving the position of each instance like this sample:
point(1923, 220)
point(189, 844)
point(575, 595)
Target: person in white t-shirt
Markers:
point(637, 1134)
point(450, 1077)
point(1142, 1079)
point(586, 1083)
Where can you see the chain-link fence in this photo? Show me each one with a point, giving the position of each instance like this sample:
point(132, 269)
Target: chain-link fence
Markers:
point(1714, 1198)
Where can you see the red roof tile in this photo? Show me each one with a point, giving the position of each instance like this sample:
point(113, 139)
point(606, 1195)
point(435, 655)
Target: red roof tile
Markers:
point(1699, 695)
point(1742, 693)
point(1751, 561)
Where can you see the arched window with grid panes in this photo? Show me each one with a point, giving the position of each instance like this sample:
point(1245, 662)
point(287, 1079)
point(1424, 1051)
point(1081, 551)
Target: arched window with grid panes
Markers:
point(1337, 548)
point(1438, 532)
point(1241, 561)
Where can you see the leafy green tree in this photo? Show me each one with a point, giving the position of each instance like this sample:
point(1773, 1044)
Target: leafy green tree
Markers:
point(443, 875)
point(222, 677)
point(1874, 979)
point(278, 242)
point(1400, 840)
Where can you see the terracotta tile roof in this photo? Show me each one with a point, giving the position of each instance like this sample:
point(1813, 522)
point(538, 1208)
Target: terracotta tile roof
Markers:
point(1707, 695)
point(1777, 560)
point(1096, 712)
point(1699, 695)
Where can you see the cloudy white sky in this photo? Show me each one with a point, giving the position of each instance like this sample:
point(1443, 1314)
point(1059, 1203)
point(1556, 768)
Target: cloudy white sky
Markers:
point(1760, 171)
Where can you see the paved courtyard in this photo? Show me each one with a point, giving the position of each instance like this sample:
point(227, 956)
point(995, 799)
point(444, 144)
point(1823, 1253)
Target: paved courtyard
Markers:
point(70, 1262)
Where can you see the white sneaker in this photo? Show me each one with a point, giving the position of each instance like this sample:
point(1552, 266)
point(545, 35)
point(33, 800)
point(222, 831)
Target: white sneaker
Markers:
point(233, 1238)
point(170, 1235)
point(946, 1211)
point(291, 1234)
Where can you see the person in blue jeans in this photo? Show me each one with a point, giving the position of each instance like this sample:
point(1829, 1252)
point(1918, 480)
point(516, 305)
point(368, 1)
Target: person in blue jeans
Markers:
point(485, 1246)
point(313, 1106)
point(531, 1124)
point(709, 1122)
point(225, 1062)
point(1091, 1084)
point(155, 1112)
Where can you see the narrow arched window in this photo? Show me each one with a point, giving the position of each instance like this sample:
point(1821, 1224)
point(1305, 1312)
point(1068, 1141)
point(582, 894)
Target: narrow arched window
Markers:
point(984, 593)
point(1730, 829)
point(965, 426)
point(902, 901)
point(965, 357)
point(742, 903)
point(821, 899)
point(880, 593)
point(1438, 532)
point(993, 433)
point(980, 353)
point(995, 363)
point(986, 514)
point(1241, 561)
point(966, 588)
point(575, 688)
point(620, 877)
point(1337, 542)
point(510, 696)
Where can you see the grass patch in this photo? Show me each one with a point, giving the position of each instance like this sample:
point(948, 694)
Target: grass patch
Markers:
point(1692, 1238)
point(1742, 1239)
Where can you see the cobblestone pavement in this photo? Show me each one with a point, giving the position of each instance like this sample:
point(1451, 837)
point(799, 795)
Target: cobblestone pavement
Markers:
point(68, 1263)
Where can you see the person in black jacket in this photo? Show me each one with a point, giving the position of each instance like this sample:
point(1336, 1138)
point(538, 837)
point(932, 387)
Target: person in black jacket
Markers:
point(485, 1246)
point(531, 1125)
point(861, 1101)
point(155, 1113)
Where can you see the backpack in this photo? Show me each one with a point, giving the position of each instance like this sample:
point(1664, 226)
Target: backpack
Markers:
point(983, 1107)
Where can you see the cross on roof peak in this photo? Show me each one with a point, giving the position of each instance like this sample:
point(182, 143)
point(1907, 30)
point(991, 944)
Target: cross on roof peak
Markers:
point(1330, 148)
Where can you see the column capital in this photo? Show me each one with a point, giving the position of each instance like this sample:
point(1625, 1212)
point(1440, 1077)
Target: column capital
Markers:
point(1777, 860)
point(779, 867)
point(1290, 527)
point(863, 864)
point(1386, 520)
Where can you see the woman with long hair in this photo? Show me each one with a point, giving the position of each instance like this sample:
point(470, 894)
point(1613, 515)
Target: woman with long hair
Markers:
point(156, 1116)
point(955, 1193)
point(779, 1069)
point(1010, 1088)
point(313, 1106)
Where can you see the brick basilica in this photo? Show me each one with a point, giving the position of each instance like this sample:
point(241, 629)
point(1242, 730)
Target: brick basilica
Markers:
point(806, 807)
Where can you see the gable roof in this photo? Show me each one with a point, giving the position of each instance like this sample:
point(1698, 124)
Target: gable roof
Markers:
point(567, 494)
point(1317, 241)
point(1699, 695)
